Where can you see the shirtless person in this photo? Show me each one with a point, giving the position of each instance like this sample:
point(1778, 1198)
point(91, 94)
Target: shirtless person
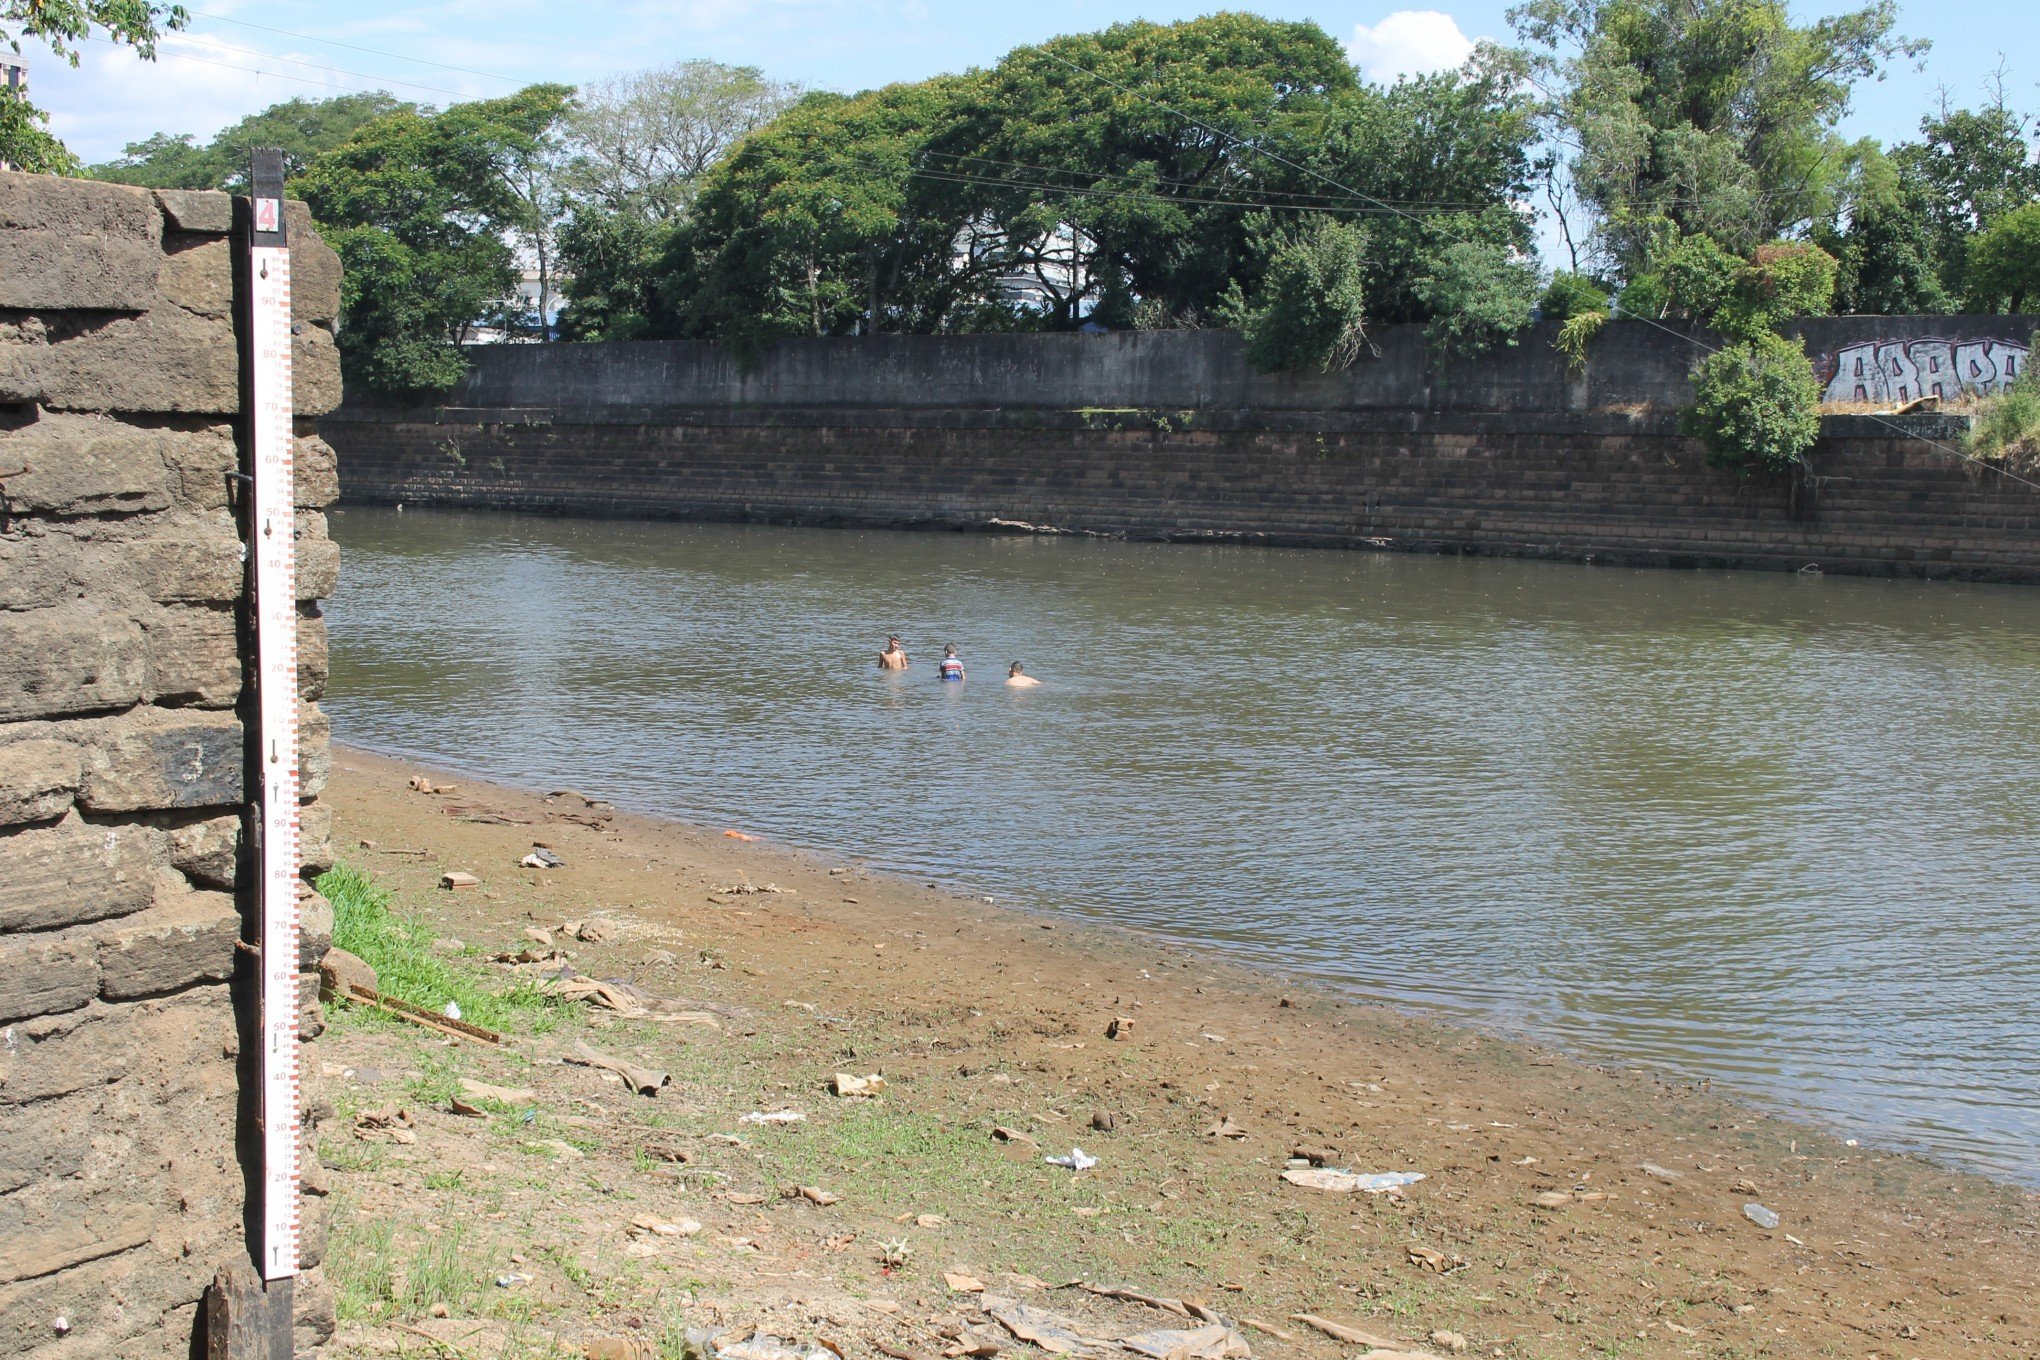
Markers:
point(894, 657)
point(1018, 679)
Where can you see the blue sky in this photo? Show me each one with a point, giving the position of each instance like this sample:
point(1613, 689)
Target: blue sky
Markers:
point(234, 60)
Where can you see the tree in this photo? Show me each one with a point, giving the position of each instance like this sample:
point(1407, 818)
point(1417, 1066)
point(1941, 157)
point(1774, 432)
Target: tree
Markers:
point(1309, 313)
point(1479, 298)
point(2004, 262)
point(418, 205)
point(303, 129)
point(1969, 168)
point(1715, 116)
point(1108, 173)
point(62, 25)
point(611, 260)
point(1756, 405)
point(641, 142)
point(1891, 258)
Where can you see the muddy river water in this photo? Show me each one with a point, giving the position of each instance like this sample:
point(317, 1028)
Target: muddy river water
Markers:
point(1775, 830)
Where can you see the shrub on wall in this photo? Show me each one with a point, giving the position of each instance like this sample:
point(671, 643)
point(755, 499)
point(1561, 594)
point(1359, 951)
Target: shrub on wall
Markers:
point(2006, 428)
point(1756, 405)
point(1479, 298)
point(1309, 312)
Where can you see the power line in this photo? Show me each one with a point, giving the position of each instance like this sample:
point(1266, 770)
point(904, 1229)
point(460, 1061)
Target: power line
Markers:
point(256, 70)
point(321, 66)
point(352, 47)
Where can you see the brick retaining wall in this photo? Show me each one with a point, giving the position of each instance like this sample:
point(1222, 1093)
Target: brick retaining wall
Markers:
point(126, 1008)
point(1579, 485)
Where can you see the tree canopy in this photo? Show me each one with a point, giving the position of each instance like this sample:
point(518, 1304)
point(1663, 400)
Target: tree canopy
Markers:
point(418, 204)
point(61, 25)
point(304, 129)
point(1094, 172)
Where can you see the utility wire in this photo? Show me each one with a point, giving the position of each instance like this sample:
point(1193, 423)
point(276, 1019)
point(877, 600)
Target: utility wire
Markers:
point(1693, 340)
point(322, 66)
point(352, 47)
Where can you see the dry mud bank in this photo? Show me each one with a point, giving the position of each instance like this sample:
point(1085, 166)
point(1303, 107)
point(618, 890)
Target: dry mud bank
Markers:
point(1565, 1210)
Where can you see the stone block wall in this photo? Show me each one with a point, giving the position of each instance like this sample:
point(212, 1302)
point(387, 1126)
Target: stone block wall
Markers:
point(127, 1002)
point(1610, 488)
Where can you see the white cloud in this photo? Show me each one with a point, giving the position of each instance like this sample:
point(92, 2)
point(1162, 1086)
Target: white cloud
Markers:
point(1409, 42)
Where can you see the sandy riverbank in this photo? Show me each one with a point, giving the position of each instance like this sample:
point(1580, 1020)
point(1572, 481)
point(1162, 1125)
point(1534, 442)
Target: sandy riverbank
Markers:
point(981, 1018)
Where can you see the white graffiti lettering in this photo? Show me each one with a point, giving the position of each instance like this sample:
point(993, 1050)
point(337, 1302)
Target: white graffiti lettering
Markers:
point(1893, 371)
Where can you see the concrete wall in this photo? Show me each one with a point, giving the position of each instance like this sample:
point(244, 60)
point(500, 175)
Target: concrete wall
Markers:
point(1171, 435)
point(1631, 364)
point(126, 1009)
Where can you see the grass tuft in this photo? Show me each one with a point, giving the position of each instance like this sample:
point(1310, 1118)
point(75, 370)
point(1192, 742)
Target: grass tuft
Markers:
point(366, 924)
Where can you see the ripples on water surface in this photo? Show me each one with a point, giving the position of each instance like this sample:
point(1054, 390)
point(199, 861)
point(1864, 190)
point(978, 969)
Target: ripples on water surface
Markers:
point(1773, 829)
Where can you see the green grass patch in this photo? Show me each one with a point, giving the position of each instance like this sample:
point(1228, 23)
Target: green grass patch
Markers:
point(2007, 426)
point(367, 925)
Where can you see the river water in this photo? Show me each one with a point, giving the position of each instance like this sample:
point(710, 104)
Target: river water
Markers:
point(1777, 830)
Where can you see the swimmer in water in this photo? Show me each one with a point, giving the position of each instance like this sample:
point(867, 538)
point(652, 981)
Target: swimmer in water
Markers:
point(894, 657)
point(1019, 679)
point(951, 667)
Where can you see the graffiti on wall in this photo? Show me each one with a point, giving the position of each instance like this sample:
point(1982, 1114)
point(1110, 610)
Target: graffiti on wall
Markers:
point(1894, 371)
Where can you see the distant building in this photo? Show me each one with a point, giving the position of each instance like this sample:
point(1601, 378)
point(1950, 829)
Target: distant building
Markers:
point(515, 319)
point(13, 83)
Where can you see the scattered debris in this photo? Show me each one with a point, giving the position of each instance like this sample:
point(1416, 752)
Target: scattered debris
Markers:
point(1448, 1341)
point(1120, 1028)
point(774, 1117)
point(1759, 1215)
point(512, 1280)
point(813, 1194)
point(1553, 1199)
point(1225, 1128)
point(1663, 1173)
point(390, 1124)
point(1104, 1121)
point(843, 1084)
point(341, 973)
point(509, 1095)
point(1037, 1326)
point(1339, 1331)
point(1268, 1327)
point(962, 1284)
point(454, 880)
point(1346, 1182)
point(645, 1224)
point(1315, 1156)
point(1215, 1341)
point(620, 1348)
point(739, 836)
point(646, 1081)
point(541, 858)
point(594, 930)
point(423, 785)
point(1078, 1160)
point(1433, 1260)
point(1002, 1134)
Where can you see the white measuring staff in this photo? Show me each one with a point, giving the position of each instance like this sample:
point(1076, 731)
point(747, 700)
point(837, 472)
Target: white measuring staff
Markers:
point(273, 542)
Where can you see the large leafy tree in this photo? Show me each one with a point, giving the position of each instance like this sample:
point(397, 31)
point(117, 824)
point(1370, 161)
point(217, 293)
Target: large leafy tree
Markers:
point(1969, 168)
point(1716, 117)
point(418, 204)
point(1102, 170)
point(303, 129)
point(642, 141)
point(61, 25)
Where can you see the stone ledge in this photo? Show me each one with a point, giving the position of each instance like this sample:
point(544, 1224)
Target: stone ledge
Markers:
point(60, 271)
point(204, 210)
point(186, 937)
point(74, 872)
point(77, 207)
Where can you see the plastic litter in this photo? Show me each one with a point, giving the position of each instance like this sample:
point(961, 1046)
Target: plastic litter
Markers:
point(1759, 1215)
point(772, 1117)
point(1344, 1182)
point(541, 858)
point(453, 1010)
point(511, 1281)
point(1078, 1160)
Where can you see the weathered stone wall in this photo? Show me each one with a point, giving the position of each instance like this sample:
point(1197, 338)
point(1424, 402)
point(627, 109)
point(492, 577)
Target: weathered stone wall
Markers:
point(126, 1005)
point(1172, 435)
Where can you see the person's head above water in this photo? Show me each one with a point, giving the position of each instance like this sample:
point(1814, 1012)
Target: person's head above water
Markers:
point(1013, 669)
point(892, 642)
point(949, 650)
